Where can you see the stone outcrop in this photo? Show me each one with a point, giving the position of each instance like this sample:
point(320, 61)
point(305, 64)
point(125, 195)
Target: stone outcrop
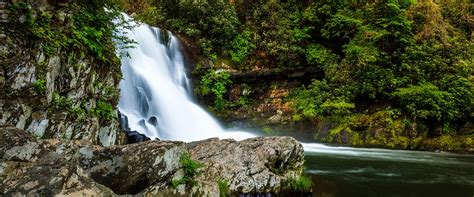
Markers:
point(257, 165)
point(52, 167)
point(54, 94)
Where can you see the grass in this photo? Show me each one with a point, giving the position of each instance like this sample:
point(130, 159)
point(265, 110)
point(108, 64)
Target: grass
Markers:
point(190, 168)
point(224, 189)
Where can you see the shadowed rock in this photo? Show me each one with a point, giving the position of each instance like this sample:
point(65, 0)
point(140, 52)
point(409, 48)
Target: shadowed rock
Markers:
point(135, 137)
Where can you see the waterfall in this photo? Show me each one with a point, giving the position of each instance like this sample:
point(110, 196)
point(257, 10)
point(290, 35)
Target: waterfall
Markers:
point(155, 95)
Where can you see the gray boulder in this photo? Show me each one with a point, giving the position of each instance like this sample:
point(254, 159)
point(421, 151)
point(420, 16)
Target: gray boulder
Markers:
point(52, 167)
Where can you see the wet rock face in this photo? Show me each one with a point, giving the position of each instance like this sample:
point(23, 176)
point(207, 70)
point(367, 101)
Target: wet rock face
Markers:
point(52, 167)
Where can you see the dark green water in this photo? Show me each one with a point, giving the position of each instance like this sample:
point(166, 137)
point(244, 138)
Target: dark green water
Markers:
point(339, 171)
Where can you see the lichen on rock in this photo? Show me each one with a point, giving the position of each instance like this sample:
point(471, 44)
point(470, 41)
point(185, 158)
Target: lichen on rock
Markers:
point(52, 91)
point(29, 166)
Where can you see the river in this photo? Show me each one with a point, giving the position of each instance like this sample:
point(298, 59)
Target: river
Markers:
point(341, 171)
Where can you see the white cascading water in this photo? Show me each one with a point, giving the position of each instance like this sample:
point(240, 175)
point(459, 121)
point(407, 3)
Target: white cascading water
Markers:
point(155, 95)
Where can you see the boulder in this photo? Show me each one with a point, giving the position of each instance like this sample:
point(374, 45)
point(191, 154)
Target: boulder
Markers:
point(52, 167)
point(257, 165)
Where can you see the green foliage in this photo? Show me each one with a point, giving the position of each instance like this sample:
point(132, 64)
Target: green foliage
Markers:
point(224, 189)
point(106, 92)
point(61, 102)
point(91, 28)
point(337, 107)
point(90, 36)
point(300, 184)
point(150, 15)
point(212, 24)
point(318, 55)
point(40, 86)
point(459, 14)
point(320, 99)
point(215, 83)
point(374, 57)
point(279, 33)
point(427, 101)
point(242, 46)
point(104, 110)
point(384, 128)
point(341, 25)
point(400, 54)
point(449, 143)
point(177, 182)
point(308, 101)
point(190, 168)
point(83, 29)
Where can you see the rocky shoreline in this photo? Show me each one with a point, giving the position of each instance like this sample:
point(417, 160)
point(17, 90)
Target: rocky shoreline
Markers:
point(54, 167)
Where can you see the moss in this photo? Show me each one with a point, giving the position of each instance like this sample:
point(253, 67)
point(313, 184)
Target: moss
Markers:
point(416, 142)
point(404, 142)
point(300, 184)
point(40, 86)
point(335, 132)
point(387, 129)
point(446, 143)
point(356, 140)
point(468, 142)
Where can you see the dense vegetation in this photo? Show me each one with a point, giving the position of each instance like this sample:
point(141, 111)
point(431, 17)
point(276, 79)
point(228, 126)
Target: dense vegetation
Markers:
point(404, 65)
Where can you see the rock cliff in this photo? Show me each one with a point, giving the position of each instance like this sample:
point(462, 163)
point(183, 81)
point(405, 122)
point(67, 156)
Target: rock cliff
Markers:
point(54, 91)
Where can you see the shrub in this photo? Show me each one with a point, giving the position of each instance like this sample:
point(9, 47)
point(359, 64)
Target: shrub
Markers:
point(215, 83)
point(104, 110)
point(318, 55)
point(308, 100)
point(242, 46)
point(337, 107)
point(426, 101)
point(320, 99)
point(91, 28)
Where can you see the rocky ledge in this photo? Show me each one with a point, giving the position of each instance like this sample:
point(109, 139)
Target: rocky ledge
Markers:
point(53, 167)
